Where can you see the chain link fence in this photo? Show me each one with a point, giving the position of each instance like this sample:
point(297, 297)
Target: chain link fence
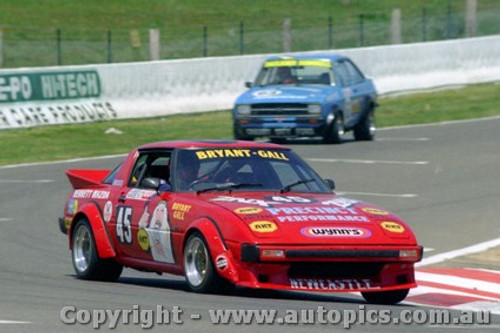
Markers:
point(36, 46)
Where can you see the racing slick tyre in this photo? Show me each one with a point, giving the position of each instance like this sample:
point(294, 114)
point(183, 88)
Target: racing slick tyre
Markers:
point(385, 297)
point(199, 269)
point(87, 264)
point(365, 130)
point(335, 131)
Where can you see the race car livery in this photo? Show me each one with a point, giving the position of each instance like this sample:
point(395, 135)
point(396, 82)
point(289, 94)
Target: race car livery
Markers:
point(225, 213)
point(307, 95)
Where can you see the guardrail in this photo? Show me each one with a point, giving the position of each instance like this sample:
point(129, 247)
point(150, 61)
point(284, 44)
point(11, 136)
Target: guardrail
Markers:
point(56, 95)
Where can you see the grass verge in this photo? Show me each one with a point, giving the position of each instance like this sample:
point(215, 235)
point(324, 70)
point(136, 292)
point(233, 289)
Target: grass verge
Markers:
point(84, 140)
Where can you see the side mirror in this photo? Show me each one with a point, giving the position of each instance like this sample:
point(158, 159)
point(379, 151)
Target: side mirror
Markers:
point(330, 183)
point(248, 84)
point(152, 183)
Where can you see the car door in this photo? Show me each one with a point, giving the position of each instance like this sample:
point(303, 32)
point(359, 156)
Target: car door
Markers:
point(142, 225)
point(355, 89)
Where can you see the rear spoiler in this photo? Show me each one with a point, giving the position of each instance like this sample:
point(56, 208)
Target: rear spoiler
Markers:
point(86, 178)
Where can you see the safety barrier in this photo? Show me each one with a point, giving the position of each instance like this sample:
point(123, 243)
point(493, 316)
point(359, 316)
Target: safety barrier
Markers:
point(70, 94)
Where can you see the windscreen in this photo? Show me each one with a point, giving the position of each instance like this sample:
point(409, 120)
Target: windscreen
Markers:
point(295, 72)
point(244, 169)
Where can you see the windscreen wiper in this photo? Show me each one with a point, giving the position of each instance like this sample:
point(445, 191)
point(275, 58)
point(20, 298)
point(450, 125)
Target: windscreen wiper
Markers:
point(298, 182)
point(227, 187)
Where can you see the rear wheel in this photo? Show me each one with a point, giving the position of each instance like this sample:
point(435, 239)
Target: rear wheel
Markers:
point(335, 131)
point(199, 269)
point(385, 297)
point(365, 130)
point(86, 261)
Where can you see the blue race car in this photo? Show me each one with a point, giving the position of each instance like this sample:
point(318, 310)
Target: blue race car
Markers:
point(307, 96)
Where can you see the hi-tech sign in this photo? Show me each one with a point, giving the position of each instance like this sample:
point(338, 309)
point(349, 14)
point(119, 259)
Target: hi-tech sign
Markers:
point(49, 86)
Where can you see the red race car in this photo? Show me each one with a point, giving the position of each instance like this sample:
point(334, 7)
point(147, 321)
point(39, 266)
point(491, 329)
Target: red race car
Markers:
point(225, 213)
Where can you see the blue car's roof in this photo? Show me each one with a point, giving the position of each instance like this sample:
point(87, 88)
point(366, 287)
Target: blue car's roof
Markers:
point(331, 57)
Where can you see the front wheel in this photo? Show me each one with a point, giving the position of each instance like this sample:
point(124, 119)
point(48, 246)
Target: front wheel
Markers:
point(385, 297)
point(86, 261)
point(199, 269)
point(335, 131)
point(365, 130)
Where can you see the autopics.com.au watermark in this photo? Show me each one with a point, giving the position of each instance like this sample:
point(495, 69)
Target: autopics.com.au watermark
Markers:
point(175, 315)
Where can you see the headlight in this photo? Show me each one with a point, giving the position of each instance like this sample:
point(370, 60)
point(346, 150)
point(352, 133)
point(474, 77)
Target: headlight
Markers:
point(243, 109)
point(314, 108)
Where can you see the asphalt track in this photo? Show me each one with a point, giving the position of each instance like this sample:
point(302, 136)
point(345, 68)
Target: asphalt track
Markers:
point(442, 179)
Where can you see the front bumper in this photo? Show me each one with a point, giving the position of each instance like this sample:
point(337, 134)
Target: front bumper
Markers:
point(335, 269)
point(283, 128)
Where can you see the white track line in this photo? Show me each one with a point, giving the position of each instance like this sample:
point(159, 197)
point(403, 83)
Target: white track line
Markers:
point(14, 322)
point(403, 139)
point(404, 195)
point(443, 123)
point(5, 219)
point(458, 253)
point(342, 160)
point(26, 181)
point(12, 166)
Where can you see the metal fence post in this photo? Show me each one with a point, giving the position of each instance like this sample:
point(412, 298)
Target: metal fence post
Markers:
point(361, 31)
point(205, 41)
point(330, 32)
point(449, 23)
point(287, 35)
point(471, 18)
point(396, 26)
point(58, 40)
point(154, 44)
point(1, 48)
point(109, 47)
point(424, 24)
point(242, 38)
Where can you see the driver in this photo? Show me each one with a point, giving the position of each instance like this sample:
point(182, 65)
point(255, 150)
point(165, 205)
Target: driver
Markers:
point(188, 168)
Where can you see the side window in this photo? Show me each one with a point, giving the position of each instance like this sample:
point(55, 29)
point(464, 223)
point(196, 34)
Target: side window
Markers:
point(355, 75)
point(111, 177)
point(151, 164)
point(343, 75)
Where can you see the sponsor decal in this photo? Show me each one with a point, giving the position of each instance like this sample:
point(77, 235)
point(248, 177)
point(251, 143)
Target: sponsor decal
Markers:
point(139, 194)
point(237, 153)
point(297, 62)
point(91, 194)
point(263, 226)
point(289, 199)
point(308, 214)
point(117, 182)
point(67, 223)
point(143, 240)
point(48, 86)
point(340, 202)
point(221, 262)
point(72, 206)
point(56, 113)
point(159, 234)
point(257, 202)
point(374, 211)
point(107, 211)
point(266, 93)
point(82, 194)
point(179, 210)
point(337, 232)
point(392, 227)
point(248, 210)
point(330, 284)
